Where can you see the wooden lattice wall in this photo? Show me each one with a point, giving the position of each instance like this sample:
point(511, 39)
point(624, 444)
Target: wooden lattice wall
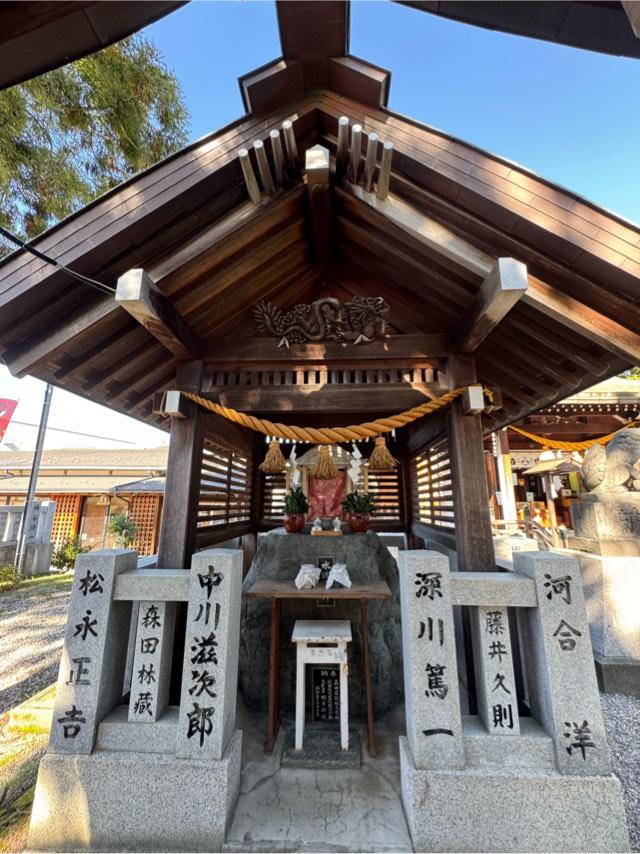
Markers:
point(432, 489)
point(66, 518)
point(224, 501)
point(273, 493)
point(144, 510)
point(386, 489)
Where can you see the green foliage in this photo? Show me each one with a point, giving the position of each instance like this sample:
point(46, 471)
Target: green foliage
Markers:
point(357, 502)
point(631, 373)
point(296, 501)
point(65, 556)
point(73, 133)
point(123, 528)
point(10, 578)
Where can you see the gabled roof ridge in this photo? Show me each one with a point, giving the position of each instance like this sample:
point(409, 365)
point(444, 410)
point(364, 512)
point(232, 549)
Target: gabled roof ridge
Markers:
point(309, 94)
point(513, 164)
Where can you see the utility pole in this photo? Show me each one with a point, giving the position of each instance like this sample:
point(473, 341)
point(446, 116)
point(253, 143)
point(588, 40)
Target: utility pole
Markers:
point(21, 549)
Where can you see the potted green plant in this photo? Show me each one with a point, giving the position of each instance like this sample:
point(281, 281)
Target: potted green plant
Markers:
point(295, 507)
point(357, 507)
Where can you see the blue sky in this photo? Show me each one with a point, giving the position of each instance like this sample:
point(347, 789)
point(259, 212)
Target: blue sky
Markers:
point(570, 115)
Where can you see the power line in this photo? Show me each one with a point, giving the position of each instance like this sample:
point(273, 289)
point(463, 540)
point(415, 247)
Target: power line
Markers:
point(85, 280)
point(74, 432)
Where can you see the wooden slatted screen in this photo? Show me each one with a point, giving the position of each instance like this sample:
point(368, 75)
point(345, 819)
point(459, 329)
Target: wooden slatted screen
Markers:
point(431, 488)
point(273, 492)
point(65, 519)
point(225, 492)
point(144, 512)
point(386, 490)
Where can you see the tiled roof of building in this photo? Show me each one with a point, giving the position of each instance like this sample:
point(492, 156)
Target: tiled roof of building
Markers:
point(152, 459)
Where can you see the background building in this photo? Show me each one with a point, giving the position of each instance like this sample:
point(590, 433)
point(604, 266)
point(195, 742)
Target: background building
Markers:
point(89, 486)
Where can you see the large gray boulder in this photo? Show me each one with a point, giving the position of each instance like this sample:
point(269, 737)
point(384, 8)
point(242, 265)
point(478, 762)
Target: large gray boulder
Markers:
point(278, 558)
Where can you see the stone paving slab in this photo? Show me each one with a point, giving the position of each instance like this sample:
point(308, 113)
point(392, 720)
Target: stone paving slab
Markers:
point(295, 809)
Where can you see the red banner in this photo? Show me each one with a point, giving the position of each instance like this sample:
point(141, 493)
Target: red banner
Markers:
point(7, 408)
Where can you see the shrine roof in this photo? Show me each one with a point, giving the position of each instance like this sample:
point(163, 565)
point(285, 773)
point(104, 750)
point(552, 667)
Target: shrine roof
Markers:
point(452, 211)
point(38, 36)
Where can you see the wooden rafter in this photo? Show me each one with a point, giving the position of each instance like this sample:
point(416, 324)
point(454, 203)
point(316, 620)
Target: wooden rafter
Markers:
point(569, 312)
point(26, 358)
point(137, 294)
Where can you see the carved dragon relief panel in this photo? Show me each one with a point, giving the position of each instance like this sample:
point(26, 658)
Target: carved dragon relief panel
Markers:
point(360, 321)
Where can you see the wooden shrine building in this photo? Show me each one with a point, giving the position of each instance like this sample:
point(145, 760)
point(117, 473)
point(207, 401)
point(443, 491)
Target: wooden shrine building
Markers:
point(317, 271)
point(492, 277)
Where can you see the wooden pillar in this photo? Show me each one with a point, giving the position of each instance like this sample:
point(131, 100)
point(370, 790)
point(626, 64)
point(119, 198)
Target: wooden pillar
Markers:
point(474, 539)
point(178, 529)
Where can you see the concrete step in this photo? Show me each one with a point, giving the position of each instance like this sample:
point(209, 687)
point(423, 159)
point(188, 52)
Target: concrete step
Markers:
point(533, 748)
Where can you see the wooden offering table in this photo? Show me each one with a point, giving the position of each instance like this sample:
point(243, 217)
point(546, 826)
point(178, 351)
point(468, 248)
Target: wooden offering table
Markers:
point(279, 590)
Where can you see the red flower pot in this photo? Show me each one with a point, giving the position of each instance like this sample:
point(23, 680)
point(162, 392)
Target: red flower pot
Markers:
point(294, 522)
point(358, 522)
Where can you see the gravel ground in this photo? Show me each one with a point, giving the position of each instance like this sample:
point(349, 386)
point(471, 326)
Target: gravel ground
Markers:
point(32, 621)
point(622, 722)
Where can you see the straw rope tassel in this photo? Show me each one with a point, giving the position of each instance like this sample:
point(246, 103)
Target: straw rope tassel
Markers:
point(274, 462)
point(325, 468)
point(381, 457)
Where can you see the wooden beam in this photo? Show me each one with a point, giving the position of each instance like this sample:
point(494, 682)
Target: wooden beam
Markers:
point(226, 236)
point(384, 176)
point(370, 161)
point(171, 404)
point(263, 168)
point(26, 357)
point(138, 295)
point(472, 401)
point(263, 353)
point(602, 330)
point(249, 177)
point(317, 175)
point(499, 292)
point(342, 153)
point(382, 398)
point(425, 229)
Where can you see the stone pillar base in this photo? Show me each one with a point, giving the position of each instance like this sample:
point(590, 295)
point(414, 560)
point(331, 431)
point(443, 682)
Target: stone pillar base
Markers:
point(617, 675)
point(511, 809)
point(109, 801)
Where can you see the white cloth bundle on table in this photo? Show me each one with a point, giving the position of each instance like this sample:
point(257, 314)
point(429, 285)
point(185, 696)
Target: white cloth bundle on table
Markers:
point(338, 575)
point(307, 577)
